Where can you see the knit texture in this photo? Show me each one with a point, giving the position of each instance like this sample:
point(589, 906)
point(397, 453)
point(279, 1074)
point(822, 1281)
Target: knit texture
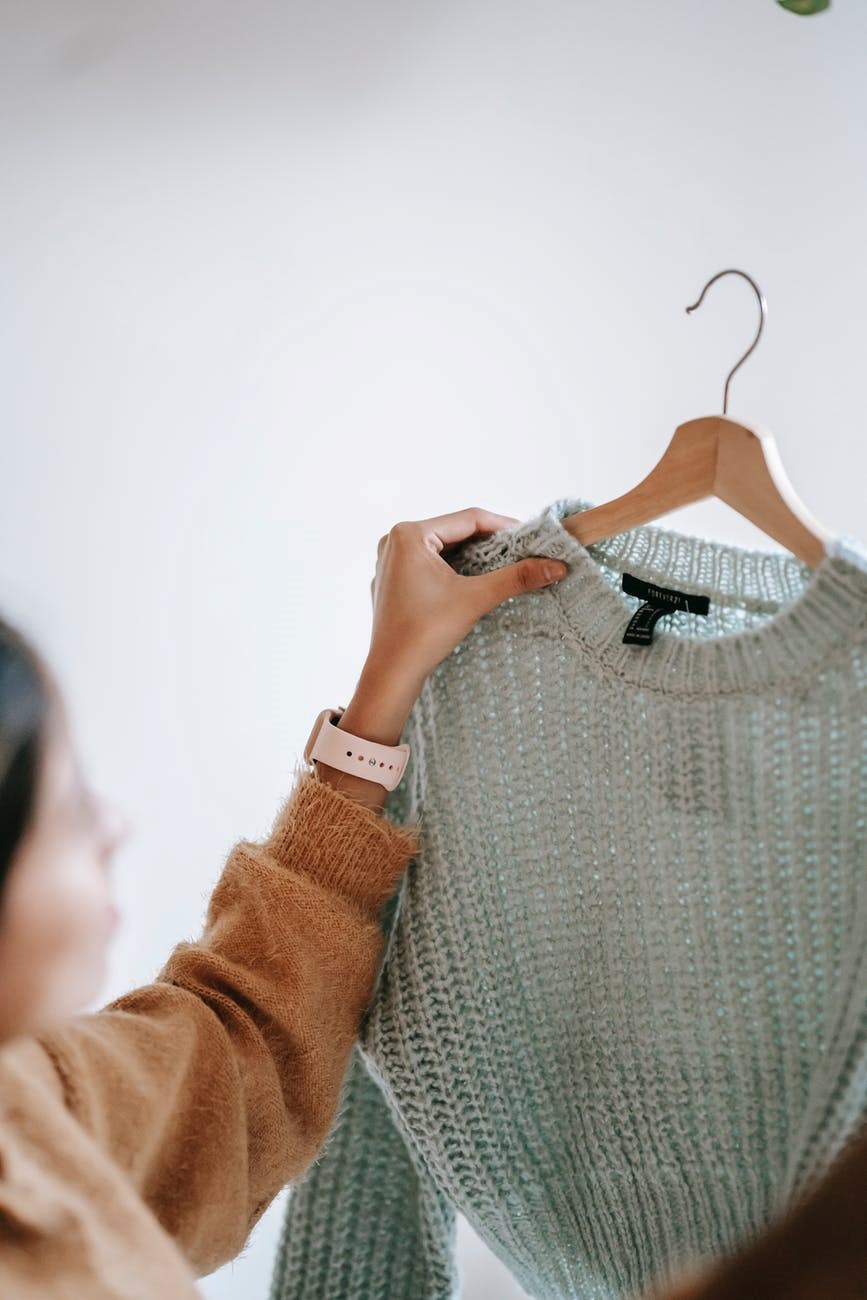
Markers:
point(622, 1020)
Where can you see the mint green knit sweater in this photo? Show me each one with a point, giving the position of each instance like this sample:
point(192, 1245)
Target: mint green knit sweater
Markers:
point(622, 1017)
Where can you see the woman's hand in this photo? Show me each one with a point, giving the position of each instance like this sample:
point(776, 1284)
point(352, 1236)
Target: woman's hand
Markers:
point(422, 609)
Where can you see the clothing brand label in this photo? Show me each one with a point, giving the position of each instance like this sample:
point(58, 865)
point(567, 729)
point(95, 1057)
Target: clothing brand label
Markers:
point(657, 601)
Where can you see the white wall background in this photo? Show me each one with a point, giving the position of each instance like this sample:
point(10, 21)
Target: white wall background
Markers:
point(277, 275)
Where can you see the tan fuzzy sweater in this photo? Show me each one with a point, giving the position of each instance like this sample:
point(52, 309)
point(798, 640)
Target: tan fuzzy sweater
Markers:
point(139, 1145)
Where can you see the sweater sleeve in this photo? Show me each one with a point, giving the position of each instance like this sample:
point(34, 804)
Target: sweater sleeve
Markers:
point(837, 1099)
point(366, 1220)
point(215, 1085)
point(813, 1246)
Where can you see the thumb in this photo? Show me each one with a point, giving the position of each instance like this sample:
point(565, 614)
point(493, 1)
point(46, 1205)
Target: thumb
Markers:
point(512, 579)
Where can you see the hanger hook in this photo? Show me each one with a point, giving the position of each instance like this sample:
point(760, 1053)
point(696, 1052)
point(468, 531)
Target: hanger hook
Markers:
point(763, 308)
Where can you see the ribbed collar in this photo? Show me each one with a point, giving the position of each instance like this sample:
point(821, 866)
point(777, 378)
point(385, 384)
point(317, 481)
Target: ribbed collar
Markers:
point(810, 612)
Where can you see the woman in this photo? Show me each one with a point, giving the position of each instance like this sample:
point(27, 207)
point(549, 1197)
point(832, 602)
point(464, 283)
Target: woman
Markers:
point(139, 1145)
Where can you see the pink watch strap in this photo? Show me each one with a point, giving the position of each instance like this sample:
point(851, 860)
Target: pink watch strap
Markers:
point(367, 758)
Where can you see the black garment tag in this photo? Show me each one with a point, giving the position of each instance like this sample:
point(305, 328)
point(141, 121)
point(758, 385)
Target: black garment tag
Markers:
point(657, 601)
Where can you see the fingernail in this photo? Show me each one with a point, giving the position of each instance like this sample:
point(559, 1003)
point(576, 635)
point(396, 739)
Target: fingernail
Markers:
point(555, 570)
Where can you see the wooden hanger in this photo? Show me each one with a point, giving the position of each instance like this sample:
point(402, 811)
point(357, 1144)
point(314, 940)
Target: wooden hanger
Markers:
point(715, 456)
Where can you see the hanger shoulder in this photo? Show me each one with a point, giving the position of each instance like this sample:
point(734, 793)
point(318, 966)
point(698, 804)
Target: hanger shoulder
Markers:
point(684, 474)
point(736, 462)
point(751, 478)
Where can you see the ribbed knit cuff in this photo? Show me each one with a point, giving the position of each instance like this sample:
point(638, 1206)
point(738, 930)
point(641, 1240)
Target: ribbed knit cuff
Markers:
point(343, 844)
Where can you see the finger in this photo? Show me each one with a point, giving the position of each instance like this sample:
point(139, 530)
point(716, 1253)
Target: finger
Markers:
point(513, 579)
point(457, 527)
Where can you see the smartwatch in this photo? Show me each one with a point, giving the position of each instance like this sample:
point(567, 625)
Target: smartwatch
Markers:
point(338, 748)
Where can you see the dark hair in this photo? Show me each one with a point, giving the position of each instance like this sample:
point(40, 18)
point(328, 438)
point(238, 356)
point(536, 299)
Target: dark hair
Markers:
point(25, 695)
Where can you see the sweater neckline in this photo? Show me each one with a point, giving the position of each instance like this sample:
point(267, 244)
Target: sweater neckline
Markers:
point(809, 612)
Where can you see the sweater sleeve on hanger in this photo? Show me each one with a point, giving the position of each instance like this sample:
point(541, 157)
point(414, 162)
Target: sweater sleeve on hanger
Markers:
point(365, 1220)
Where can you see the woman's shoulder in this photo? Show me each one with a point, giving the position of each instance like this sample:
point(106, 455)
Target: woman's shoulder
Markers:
point(28, 1077)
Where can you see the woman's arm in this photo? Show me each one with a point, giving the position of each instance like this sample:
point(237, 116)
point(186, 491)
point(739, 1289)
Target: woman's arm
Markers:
point(216, 1084)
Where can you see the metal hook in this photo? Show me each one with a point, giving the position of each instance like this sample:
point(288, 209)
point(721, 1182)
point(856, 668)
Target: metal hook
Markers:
point(763, 307)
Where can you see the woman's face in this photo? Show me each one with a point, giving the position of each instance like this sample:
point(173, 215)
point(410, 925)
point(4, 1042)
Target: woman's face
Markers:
point(56, 911)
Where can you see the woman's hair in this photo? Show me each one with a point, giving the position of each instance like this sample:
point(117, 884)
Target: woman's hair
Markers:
point(25, 702)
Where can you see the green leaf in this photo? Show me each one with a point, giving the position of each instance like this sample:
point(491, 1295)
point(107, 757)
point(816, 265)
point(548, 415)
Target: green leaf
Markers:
point(805, 6)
